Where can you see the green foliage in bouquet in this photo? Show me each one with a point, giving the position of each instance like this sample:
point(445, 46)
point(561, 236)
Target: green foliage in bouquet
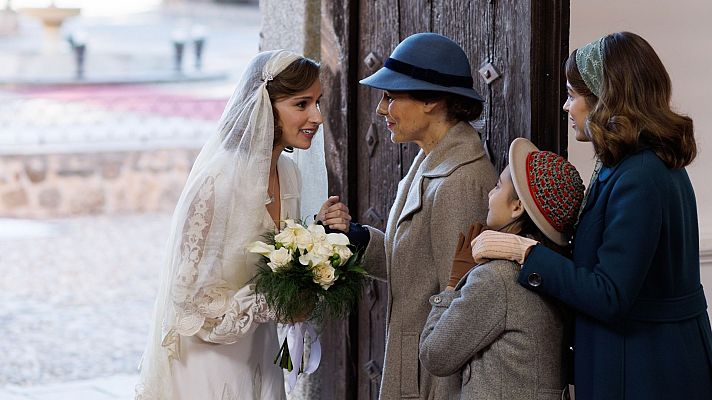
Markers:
point(306, 273)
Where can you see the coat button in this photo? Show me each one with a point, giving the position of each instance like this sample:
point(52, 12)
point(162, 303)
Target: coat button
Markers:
point(534, 279)
point(466, 374)
point(437, 299)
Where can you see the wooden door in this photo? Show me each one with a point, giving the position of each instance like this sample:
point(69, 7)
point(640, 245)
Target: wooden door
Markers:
point(524, 41)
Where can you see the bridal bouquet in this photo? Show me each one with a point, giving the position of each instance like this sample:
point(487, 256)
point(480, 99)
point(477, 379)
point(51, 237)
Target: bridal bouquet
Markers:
point(306, 273)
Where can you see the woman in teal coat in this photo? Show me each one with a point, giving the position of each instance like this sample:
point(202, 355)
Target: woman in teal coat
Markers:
point(641, 330)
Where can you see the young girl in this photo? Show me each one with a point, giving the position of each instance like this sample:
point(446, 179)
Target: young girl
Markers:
point(506, 341)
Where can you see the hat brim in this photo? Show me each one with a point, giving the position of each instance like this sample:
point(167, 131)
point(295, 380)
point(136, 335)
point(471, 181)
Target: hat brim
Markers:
point(387, 79)
point(518, 152)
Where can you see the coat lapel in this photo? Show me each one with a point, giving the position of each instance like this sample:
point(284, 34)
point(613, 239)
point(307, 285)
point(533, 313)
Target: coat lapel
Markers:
point(596, 185)
point(414, 198)
point(461, 145)
point(402, 197)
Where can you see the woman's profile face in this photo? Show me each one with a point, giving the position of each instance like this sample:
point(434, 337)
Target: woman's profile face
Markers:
point(404, 116)
point(299, 117)
point(578, 112)
point(504, 207)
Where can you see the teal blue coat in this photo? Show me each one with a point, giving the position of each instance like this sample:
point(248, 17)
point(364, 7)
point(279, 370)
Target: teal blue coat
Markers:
point(641, 330)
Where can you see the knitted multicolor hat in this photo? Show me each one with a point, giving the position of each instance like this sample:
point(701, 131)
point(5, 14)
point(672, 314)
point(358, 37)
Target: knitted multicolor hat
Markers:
point(549, 187)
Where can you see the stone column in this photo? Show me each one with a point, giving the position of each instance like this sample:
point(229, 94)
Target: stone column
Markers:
point(291, 24)
point(294, 25)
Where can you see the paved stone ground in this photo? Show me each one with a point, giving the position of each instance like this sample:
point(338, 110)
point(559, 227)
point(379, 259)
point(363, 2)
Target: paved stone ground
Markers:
point(76, 296)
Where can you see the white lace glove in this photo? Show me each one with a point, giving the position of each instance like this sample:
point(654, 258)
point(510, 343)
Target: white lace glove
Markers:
point(493, 245)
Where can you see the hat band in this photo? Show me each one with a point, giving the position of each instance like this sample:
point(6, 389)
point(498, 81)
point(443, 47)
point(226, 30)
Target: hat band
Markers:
point(428, 75)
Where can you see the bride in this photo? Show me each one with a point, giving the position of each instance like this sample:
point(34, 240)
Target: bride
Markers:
point(212, 337)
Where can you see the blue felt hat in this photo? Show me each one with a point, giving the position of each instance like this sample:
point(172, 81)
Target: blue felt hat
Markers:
point(426, 61)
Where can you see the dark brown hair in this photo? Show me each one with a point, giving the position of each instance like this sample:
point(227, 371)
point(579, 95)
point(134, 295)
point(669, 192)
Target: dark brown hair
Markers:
point(459, 108)
point(296, 77)
point(633, 110)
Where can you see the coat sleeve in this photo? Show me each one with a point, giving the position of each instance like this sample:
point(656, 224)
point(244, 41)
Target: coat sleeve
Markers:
point(632, 220)
point(375, 254)
point(462, 323)
point(460, 200)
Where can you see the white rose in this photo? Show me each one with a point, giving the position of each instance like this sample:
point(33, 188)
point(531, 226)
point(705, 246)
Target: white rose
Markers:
point(318, 234)
point(261, 248)
point(337, 239)
point(279, 258)
point(344, 253)
point(319, 253)
point(324, 275)
point(294, 236)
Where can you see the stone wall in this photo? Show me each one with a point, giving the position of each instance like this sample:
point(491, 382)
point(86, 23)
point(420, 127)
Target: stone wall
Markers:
point(60, 185)
point(293, 25)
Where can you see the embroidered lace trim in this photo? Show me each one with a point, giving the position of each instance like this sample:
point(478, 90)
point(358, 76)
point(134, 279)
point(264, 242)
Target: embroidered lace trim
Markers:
point(215, 313)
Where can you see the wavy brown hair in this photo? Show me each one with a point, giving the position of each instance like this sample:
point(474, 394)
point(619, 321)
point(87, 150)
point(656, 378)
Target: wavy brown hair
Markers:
point(297, 77)
point(633, 110)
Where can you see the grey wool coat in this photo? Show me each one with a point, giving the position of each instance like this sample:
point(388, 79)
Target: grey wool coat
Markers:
point(505, 341)
point(440, 196)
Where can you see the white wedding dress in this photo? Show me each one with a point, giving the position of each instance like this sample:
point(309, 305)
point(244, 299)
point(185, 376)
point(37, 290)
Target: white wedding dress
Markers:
point(245, 369)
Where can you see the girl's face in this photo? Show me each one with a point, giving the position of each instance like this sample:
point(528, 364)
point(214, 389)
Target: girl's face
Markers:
point(299, 117)
point(405, 117)
point(504, 207)
point(578, 112)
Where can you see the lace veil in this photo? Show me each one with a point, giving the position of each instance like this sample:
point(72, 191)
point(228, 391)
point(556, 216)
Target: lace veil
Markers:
point(220, 211)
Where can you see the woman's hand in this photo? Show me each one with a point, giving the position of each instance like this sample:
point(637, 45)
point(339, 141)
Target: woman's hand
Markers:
point(463, 261)
point(334, 214)
point(493, 245)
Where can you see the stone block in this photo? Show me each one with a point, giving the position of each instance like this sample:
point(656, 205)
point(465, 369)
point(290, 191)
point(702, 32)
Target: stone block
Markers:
point(111, 165)
point(50, 198)
point(36, 168)
point(111, 170)
point(82, 165)
point(15, 199)
point(87, 201)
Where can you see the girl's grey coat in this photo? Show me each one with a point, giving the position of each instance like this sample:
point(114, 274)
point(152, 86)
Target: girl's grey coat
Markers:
point(506, 342)
point(440, 196)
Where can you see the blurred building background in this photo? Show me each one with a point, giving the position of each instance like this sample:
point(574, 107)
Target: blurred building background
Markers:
point(93, 157)
point(103, 107)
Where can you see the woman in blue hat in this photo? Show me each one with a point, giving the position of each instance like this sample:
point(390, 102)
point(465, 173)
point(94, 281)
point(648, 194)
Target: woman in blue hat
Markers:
point(427, 99)
point(641, 330)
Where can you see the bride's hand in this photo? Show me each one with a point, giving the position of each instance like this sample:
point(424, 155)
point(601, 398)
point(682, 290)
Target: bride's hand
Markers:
point(334, 214)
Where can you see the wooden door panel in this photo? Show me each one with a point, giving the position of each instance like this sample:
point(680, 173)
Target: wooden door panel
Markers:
point(379, 168)
point(510, 102)
point(525, 41)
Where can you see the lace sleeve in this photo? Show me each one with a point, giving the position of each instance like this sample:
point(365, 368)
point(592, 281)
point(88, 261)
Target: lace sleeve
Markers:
point(208, 307)
point(246, 309)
